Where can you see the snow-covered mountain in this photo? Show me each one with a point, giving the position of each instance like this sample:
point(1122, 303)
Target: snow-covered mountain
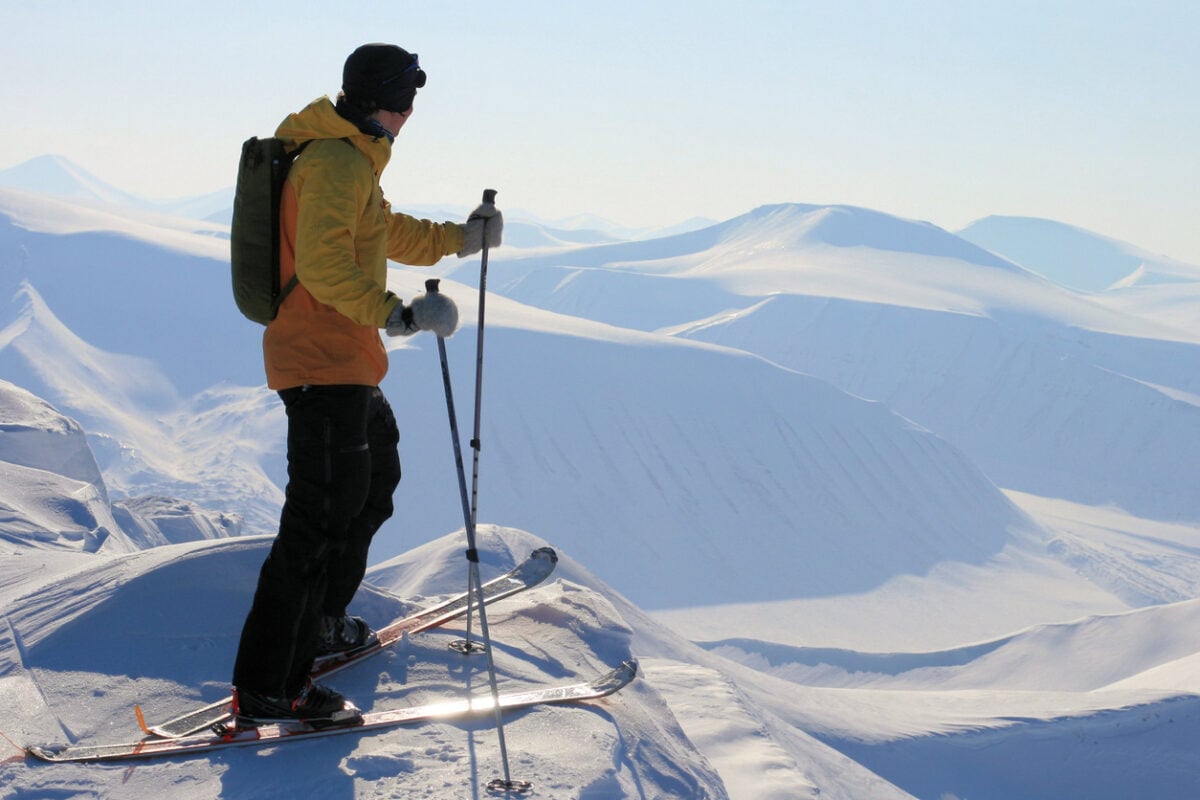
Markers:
point(1116, 274)
point(789, 470)
point(57, 176)
point(914, 511)
point(1074, 257)
point(1002, 363)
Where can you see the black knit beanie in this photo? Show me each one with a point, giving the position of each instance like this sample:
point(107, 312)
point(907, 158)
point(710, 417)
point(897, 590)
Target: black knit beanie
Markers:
point(381, 76)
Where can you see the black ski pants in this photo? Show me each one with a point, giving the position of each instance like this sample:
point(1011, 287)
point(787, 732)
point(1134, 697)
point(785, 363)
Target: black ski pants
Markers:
point(343, 467)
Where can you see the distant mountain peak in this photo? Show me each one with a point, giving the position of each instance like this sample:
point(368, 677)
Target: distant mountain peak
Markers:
point(853, 226)
point(1075, 257)
point(58, 176)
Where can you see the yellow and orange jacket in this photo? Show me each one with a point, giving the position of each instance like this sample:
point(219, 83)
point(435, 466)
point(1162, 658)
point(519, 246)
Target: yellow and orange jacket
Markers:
point(337, 233)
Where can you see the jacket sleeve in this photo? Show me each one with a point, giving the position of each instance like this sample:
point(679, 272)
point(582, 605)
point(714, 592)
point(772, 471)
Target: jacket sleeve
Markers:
point(419, 242)
point(326, 225)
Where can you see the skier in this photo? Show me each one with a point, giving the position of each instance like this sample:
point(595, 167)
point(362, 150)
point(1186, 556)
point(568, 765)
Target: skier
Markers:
point(325, 358)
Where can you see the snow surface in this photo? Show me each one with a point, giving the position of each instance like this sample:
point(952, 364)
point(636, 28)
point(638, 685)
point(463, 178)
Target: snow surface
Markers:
point(881, 512)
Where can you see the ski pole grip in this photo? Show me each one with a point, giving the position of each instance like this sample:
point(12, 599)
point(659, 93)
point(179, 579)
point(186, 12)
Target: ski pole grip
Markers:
point(431, 285)
point(489, 196)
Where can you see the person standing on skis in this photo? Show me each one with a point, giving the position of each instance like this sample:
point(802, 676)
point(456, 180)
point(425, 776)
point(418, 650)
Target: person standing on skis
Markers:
point(325, 357)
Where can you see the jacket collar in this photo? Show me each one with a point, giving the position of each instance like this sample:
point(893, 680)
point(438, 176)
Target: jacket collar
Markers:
point(321, 120)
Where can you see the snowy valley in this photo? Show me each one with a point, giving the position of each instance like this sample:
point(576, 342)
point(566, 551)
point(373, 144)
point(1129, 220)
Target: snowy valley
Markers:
point(882, 510)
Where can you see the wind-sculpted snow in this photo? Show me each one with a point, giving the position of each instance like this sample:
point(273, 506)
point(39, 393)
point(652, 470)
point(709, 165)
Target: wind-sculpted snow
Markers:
point(1143, 750)
point(138, 288)
point(675, 466)
point(1050, 411)
point(783, 433)
point(52, 494)
point(160, 629)
point(690, 476)
point(34, 434)
point(219, 448)
point(629, 300)
point(41, 510)
point(1085, 655)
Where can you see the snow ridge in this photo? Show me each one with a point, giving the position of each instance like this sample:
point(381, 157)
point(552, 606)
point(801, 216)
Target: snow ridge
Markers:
point(927, 507)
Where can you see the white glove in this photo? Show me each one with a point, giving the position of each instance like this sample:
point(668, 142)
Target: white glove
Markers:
point(484, 226)
point(432, 311)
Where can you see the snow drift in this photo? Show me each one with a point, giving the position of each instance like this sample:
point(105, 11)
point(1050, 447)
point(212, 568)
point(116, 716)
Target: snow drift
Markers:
point(782, 433)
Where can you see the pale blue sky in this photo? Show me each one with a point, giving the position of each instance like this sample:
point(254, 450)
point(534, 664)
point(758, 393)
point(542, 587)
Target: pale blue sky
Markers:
point(648, 113)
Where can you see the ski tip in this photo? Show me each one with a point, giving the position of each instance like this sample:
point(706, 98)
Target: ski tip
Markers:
point(45, 752)
point(545, 554)
point(618, 679)
point(535, 569)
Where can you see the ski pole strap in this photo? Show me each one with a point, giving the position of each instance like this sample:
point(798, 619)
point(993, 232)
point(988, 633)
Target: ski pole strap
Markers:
point(473, 555)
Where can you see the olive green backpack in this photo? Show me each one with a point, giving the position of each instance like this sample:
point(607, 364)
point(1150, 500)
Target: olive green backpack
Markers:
point(254, 232)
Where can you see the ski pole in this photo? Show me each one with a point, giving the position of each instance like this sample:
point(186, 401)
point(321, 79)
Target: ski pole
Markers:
point(465, 645)
point(489, 197)
point(506, 784)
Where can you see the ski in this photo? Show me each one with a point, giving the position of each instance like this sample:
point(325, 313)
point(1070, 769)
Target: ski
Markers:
point(447, 710)
point(525, 575)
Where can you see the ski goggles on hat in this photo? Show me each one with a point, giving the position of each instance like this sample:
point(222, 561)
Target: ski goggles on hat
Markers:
point(412, 76)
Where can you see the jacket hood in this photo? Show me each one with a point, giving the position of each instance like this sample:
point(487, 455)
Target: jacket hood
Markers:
point(320, 120)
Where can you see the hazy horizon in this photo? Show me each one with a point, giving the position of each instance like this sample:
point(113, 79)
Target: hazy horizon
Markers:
point(648, 115)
